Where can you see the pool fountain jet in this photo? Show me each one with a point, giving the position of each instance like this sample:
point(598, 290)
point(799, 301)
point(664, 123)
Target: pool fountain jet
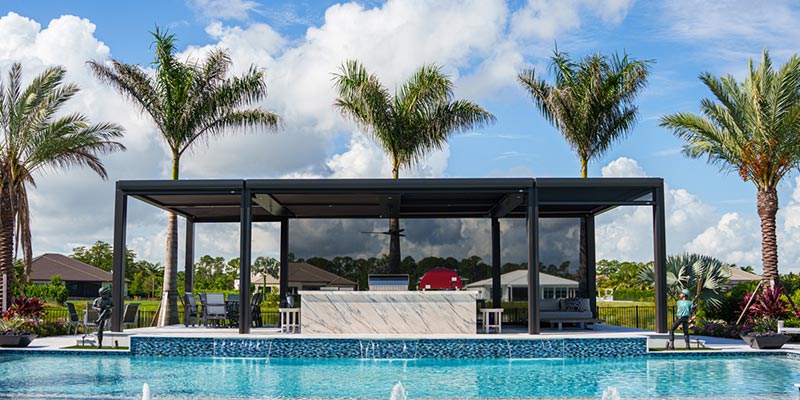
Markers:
point(610, 394)
point(398, 392)
point(146, 392)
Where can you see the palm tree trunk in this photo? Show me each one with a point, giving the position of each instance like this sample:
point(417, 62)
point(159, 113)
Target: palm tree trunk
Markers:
point(767, 208)
point(169, 295)
point(394, 232)
point(584, 167)
point(6, 240)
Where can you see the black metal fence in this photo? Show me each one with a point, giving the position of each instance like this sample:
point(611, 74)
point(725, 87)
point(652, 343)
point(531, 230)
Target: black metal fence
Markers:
point(642, 317)
point(147, 317)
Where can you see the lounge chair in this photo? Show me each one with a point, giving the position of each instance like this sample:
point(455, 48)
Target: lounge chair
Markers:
point(131, 315)
point(191, 311)
point(214, 308)
point(72, 318)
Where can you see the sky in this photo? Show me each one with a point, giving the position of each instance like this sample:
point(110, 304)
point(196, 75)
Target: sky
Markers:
point(481, 45)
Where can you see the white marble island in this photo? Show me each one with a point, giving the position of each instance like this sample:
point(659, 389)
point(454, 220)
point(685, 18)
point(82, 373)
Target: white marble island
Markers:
point(392, 312)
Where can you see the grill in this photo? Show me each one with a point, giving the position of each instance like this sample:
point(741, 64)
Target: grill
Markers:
point(388, 282)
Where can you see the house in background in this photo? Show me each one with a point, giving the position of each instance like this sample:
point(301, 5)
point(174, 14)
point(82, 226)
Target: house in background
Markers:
point(738, 276)
point(514, 286)
point(304, 276)
point(82, 280)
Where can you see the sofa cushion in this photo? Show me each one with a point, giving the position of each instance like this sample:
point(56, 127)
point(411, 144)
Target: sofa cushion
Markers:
point(549, 305)
point(575, 305)
point(564, 314)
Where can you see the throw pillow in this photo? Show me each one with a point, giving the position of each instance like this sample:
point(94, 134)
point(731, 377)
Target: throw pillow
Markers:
point(573, 305)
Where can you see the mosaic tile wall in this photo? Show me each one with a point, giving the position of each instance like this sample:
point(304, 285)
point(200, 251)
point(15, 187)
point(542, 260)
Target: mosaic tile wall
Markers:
point(388, 348)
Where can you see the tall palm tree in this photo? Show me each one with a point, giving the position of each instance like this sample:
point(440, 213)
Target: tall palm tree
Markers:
point(753, 128)
point(36, 137)
point(591, 101)
point(592, 104)
point(408, 124)
point(189, 102)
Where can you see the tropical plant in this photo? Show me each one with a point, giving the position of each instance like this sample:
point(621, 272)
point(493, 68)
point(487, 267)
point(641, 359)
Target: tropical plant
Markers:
point(36, 137)
point(768, 303)
point(591, 101)
point(266, 266)
point(190, 102)
point(704, 276)
point(416, 119)
point(25, 307)
point(753, 128)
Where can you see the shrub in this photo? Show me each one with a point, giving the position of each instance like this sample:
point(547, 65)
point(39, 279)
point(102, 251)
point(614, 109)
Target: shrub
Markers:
point(719, 328)
point(45, 328)
point(28, 308)
point(55, 290)
point(768, 304)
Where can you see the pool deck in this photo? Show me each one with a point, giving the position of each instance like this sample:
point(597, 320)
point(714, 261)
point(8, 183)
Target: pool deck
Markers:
point(509, 333)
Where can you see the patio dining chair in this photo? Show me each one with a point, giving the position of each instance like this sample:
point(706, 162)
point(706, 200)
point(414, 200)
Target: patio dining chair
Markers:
point(131, 315)
point(72, 318)
point(90, 316)
point(191, 311)
point(214, 309)
point(255, 309)
point(232, 309)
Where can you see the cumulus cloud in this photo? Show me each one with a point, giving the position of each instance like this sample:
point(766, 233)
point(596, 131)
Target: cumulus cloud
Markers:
point(223, 9)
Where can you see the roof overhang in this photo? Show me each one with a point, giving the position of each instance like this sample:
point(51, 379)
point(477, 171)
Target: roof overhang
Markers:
point(278, 199)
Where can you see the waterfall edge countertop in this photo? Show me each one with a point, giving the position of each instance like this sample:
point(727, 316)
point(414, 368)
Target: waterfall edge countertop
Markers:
point(388, 312)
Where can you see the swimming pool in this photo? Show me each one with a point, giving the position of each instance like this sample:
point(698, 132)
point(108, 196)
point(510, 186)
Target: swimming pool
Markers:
point(25, 376)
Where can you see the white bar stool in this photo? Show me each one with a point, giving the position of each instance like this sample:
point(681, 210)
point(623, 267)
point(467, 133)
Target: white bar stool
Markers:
point(496, 314)
point(290, 320)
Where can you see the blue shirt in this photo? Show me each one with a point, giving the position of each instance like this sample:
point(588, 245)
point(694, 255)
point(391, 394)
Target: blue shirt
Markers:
point(684, 308)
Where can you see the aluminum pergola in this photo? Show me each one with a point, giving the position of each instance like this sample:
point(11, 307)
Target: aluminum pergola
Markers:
point(281, 200)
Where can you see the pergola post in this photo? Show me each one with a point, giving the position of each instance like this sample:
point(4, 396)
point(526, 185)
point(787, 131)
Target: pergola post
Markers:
point(118, 268)
point(283, 285)
point(660, 259)
point(188, 268)
point(497, 291)
point(245, 237)
point(591, 264)
point(533, 260)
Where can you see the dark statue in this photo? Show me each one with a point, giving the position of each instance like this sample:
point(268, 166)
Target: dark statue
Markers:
point(103, 306)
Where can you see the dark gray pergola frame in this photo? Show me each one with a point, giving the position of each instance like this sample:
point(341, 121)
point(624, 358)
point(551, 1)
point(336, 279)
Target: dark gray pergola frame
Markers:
point(279, 200)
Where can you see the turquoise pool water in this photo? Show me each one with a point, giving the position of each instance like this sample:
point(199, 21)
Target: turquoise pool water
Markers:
point(122, 377)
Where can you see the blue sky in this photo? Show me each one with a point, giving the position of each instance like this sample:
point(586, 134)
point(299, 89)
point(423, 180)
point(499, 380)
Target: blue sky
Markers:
point(481, 44)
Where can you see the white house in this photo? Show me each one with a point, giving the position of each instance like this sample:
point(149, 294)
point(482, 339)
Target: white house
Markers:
point(514, 286)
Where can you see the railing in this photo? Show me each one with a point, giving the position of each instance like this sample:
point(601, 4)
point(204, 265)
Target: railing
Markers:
point(642, 317)
point(146, 317)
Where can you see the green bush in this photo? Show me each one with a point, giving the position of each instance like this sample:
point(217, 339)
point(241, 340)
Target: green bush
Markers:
point(731, 303)
point(55, 290)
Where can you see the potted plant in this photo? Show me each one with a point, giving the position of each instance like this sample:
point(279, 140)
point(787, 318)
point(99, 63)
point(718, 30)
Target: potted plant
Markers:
point(765, 335)
point(12, 335)
point(766, 308)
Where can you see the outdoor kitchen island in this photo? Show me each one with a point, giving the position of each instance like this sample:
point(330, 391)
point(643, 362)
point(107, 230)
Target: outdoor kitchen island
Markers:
point(388, 312)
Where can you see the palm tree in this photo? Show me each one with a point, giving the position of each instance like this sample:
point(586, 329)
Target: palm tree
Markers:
point(409, 124)
point(591, 102)
point(34, 138)
point(702, 275)
point(752, 129)
point(190, 102)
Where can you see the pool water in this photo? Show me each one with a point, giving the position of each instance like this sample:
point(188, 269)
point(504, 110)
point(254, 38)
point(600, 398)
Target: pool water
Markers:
point(122, 377)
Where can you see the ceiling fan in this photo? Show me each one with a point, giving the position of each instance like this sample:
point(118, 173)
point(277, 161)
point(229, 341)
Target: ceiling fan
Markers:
point(398, 232)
